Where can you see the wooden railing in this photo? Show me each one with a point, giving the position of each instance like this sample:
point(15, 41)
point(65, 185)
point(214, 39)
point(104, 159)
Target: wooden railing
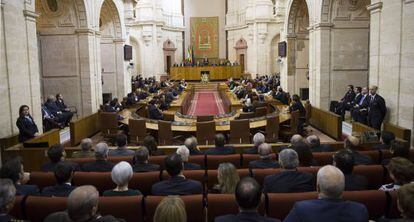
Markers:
point(51, 137)
point(399, 132)
point(83, 128)
point(327, 122)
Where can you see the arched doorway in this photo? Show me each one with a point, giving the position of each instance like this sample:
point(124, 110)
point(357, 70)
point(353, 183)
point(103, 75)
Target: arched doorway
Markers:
point(169, 55)
point(298, 49)
point(115, 78)
point(274, 55)
point(241, 53)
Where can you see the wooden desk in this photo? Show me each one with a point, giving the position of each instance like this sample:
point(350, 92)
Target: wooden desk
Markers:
point(194, 73)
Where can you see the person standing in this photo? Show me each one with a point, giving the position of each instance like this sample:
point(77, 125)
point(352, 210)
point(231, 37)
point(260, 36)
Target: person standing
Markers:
point(376, 109)
point(27, 127)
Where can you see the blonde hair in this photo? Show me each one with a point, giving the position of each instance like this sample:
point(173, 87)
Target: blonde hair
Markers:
point(171, 209)
point(227, 178)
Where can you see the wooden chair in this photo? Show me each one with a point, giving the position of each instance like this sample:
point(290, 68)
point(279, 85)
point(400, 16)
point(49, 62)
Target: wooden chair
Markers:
point(165, 134)
point(272, 129)
point(169, 117)
point(206, 132)
point(108, 124)
point(205, 118)
point(260, 111)
point(239, 131)
point(292, 129)
point(137, 130)
point(246, 115)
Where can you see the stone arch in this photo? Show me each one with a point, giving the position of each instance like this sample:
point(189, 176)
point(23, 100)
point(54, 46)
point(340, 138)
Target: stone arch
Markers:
point(69, 14)
point(330, 7)
point(169, 54)
point(241, 44)
point(109, 16)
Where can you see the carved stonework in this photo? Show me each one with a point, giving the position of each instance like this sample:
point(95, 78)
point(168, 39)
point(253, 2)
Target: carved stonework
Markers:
point(54, 14)
point(350, 10)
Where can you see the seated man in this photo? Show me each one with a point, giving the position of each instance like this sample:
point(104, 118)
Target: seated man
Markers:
point(13, 170)
point(62, 117)
point(329, 206)
point(153, 111)
point(344, 160)
point(248, 195)
point(63, 175)
point(220, 149)
point(346, 102)
point(177, 184)
point(7, 197)
point(258, 139)
point(49, 120)
point(86, 146)
point(121, 150)
point(359, 110)
point(289, 180)
point(140, 161)
point(62, 106)
point(56, 154)
point(265, 151)
point(352, 143)
point(101, 164)
point(386, 139)
point(191, 144)
point(316, 146)
point(185, 153)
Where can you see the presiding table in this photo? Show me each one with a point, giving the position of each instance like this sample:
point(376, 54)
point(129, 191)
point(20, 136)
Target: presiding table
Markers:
point(214, 72)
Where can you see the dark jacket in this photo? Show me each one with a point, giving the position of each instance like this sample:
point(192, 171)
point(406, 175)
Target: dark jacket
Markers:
point(177, 185)
point(263, 164)
point(298, 106)
point(50, 167)
point(121, 152)
point(327, 210)
point(289, 182)
point(191, 166)
point(60, 190)
point(98, 166)
point(155, 113)
point(322, 148)
point(355, 182)
point(61, 105)
point(27, 128)
point(361, 159)
point(146, 167)
point(245, 216)
point(52, 107)
point(348, 97)
point(282, 97)
point(26, 189)
point(220, 150)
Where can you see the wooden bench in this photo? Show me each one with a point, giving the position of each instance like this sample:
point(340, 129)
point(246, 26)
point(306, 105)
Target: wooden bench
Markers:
point(83, 128)
point(327, 122)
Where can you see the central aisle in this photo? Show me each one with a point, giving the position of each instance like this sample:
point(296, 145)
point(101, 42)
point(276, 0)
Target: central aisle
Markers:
point(206, 102)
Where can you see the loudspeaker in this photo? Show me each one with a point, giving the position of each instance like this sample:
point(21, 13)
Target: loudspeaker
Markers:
point(127, 52)
point(282, 49)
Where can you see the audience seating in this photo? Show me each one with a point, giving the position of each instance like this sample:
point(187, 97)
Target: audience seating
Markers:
point(198, 175)
point(325, 158)
point(42, 179)
point(222, 204)
point(260, 111)
point(128, 208)
point(198, 159)
point(280, 204)
point(212, 176)
point(272, 129)
point(108, 124)
point(169, 116)
point(374, 200)
point(194, 205)
point(157, 160)
point(375, 174)
point(392, 207)
point(165, 134)
point(18, 207)
point(205, 118)
point(292, 129)
point(246, 158)
point(137, 130)
point(239, 131)
point(213, 161)
point(206, 131)
point(37, 208)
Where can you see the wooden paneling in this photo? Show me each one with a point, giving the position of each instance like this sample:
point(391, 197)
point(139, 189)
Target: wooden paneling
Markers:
point(52, 137)
point(399, 132)
point(83, 128)
point(216, 72)
point(327, 122)
point(359, 128)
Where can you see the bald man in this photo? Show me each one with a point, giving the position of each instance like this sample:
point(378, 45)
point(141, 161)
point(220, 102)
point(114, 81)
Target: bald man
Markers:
point(329, 206)
point(266, 161)
point(376, 109)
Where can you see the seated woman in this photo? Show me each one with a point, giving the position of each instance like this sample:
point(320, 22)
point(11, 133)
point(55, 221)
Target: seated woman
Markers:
point(401, 172)
point(121, 175)
point(27, 127)
point(150, 143)
point(227, 179)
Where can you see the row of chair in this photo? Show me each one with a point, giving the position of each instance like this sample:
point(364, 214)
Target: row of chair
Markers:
point(375, 174)
point(240, 160)
point(199, 207)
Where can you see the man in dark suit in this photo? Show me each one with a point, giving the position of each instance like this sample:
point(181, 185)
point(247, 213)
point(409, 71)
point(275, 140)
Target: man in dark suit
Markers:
point(62, 106)
point(121, 150)
point(220, 149)
point(248, 195)
point(344, 160)
point(386, 139)
point(49, 120)
point(359, 111)
point(329, 206)
point(352, 143)
point(185, 153)
point(154, 112)
point(62, 117)
point(141, 161)
point(27, 127)
point(376, 109)
point(177, 184)
point(346, 101)
point(191, 144)
point(101, 164)
point(289, 180)
point(316, 146)
point(281, 96)
point(56, 153)
point(265, 151)
point(63, 174)
point(13, 170)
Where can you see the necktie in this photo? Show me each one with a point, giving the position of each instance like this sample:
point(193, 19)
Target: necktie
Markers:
point(361, 100)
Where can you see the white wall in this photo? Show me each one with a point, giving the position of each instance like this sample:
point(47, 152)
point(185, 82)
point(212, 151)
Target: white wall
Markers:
point(206, 8)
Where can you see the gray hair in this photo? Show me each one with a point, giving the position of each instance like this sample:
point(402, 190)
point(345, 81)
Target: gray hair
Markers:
point(313, 140)
point(296, 139)
point(258, 139)
point(7, 193)
point(184, 152)
point(288, 159)
point(191, 143)
point(121, 173)
point(86, 144)
point(264, 150)
point(81, 202)
point(331, 182)
point(101, 151)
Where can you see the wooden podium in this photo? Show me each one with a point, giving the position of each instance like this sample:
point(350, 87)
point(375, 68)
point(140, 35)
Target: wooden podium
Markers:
point(215, 72)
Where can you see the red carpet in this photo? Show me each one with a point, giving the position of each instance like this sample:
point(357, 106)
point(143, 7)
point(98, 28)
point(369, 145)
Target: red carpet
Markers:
point(206, 103)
